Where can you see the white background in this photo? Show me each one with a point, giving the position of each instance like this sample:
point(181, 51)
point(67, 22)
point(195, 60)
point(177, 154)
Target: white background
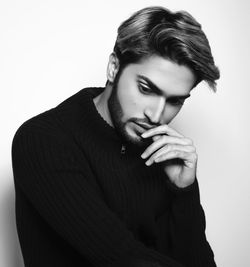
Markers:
point(51, 49)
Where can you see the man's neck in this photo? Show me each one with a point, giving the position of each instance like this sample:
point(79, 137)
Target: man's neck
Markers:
point(101, 103)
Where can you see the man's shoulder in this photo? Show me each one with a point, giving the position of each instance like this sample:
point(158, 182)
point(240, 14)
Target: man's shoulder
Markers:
point(61, 120)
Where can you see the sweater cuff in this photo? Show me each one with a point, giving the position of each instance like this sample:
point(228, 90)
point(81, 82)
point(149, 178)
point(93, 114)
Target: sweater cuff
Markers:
point(181, 191)
point(186, 200)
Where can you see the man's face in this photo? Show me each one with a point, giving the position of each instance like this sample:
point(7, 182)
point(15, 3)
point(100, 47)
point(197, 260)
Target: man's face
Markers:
point(148, 94)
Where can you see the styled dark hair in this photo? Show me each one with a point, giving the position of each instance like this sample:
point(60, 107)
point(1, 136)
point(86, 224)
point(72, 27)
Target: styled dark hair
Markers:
point(176, 36)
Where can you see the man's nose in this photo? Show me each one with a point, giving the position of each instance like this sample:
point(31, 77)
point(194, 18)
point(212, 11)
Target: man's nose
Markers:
point(155, 111)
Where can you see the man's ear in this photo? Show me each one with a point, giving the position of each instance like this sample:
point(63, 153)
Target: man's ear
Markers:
point(113, 67)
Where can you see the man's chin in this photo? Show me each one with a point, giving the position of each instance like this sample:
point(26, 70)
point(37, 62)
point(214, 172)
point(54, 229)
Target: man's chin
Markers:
point(136, 140)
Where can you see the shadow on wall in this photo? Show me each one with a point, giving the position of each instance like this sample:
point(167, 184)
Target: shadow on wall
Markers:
point(11, 246)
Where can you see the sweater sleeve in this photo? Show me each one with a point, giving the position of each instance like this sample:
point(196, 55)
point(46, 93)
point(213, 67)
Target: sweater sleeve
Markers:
point(187, 228)
point(49, 171)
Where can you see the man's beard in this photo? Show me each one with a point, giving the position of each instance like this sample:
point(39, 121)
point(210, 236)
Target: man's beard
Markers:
point(116, 115)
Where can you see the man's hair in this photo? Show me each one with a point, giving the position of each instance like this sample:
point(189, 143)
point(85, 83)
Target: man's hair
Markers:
point(176, 36)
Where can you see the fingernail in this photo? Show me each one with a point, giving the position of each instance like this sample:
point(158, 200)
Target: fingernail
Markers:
point(148, 163)
point(143, 155)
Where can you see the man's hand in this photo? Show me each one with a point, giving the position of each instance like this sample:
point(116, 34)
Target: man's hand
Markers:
point(175, 152)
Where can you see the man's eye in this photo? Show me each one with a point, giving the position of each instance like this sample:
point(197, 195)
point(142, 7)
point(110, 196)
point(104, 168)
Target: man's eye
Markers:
point(176, 101)
point(144, 89)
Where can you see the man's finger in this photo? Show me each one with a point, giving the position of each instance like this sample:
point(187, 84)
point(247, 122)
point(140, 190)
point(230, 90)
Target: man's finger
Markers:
point(163, 141)
point(163, 129)
point(189, 159)
point(168, 148)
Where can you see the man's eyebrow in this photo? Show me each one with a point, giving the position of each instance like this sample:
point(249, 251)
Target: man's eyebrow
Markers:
point(157, 90)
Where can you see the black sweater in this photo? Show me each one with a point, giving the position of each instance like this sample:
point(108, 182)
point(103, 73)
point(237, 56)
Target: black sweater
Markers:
point(83, 201)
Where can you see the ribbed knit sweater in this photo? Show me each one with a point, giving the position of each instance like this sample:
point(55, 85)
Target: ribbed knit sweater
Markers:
point(86, 198)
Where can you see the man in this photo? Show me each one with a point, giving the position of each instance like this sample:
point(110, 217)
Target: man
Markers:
point(101, 179)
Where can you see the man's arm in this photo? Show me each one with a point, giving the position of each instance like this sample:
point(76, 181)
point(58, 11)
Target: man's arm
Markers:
point(178, 158)
point(187, 228)
point(49, 171)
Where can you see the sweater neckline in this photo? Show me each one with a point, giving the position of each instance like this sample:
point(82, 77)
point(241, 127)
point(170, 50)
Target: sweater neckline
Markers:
point(93, 117)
